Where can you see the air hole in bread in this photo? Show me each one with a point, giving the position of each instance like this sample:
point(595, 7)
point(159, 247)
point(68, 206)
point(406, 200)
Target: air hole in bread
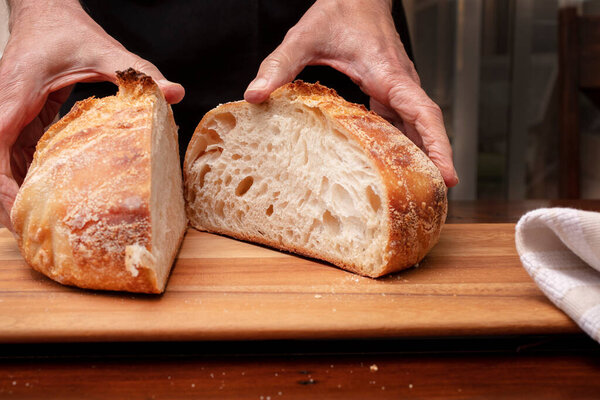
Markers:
point(219, 209)
point(324, 185)
point(269, 211)
point(276, 195)
point(374, 200)
point(227, 180)
point(226, 120)
point(247, 157)
point(269, 147)
point(244, 185)
point(201, 146)
point(239, 215)
point(332, 224)
point(341, 198)
point(213, 148)
point(307, 195)
point(212, 137)
point(205, 170)
point(235, 156)
point(304, 151)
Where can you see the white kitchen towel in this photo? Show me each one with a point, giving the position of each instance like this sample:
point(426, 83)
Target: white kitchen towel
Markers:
point(560, 249)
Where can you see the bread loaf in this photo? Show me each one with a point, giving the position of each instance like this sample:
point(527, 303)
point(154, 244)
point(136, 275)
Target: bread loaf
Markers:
point(310, 173)
point(102, 204)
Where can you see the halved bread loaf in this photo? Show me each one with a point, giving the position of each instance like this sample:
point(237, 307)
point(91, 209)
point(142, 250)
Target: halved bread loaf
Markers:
point(310, 173)
point(102, 204)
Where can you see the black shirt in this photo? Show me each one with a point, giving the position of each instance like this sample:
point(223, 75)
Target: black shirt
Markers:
point(213, 48)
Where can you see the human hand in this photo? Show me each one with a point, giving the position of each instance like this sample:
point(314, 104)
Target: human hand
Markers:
point(359, 39)
point(52, 45)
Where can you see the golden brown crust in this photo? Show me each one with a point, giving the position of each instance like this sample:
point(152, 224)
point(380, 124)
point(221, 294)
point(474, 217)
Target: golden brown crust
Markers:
point(416, 193)
point(86, 196)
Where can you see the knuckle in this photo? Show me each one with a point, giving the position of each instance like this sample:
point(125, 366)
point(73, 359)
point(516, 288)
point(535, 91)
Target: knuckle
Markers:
point(276, 61)
point(139, 64)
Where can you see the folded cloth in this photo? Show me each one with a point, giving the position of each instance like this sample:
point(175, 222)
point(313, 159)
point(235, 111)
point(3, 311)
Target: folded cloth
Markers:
point(560, 249)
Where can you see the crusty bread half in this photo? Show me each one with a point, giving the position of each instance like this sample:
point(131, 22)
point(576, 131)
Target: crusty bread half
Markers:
point(102, 204)
point(310, 173)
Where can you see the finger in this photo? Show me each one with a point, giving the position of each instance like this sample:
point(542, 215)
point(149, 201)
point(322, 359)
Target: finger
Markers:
point(8, 192)
point(21, 100)
point(390, 115)
point(121, 59)
point(279, 68)
point(8, 189)
point(417, 109)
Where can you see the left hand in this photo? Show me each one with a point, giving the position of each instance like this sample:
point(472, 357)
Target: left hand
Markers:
point(359, 39)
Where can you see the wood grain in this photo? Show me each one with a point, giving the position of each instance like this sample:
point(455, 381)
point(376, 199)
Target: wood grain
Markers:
point(472, 283)
point(454, 376)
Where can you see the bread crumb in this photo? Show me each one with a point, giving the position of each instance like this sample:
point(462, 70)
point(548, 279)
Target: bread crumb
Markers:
point(318, 296)
point(374, 368)
point(410, 385)
point(193, 385)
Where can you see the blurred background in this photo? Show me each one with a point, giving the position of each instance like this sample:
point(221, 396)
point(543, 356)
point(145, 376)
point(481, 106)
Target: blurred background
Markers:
point(493, 67)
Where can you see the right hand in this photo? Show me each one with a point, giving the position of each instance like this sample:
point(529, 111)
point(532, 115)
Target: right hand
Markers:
point(52, 45)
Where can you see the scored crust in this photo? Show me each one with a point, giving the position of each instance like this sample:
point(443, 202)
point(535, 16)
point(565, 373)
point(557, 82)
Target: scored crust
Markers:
point(82, 216)
point(415, 197)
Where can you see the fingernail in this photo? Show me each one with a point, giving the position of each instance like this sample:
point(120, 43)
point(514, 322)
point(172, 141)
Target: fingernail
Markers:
point(258, 84)
point(165, 82)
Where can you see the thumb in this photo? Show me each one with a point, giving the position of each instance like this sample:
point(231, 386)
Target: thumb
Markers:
point(172, 91)
point(21, 100)
point(279, 68)
point(8, 189)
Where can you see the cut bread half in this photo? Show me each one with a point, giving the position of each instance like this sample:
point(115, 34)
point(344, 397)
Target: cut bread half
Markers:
point(310, 173)
point(102, 204)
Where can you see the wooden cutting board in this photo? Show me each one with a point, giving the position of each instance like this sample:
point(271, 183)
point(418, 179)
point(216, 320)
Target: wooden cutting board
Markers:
point(471, 283)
